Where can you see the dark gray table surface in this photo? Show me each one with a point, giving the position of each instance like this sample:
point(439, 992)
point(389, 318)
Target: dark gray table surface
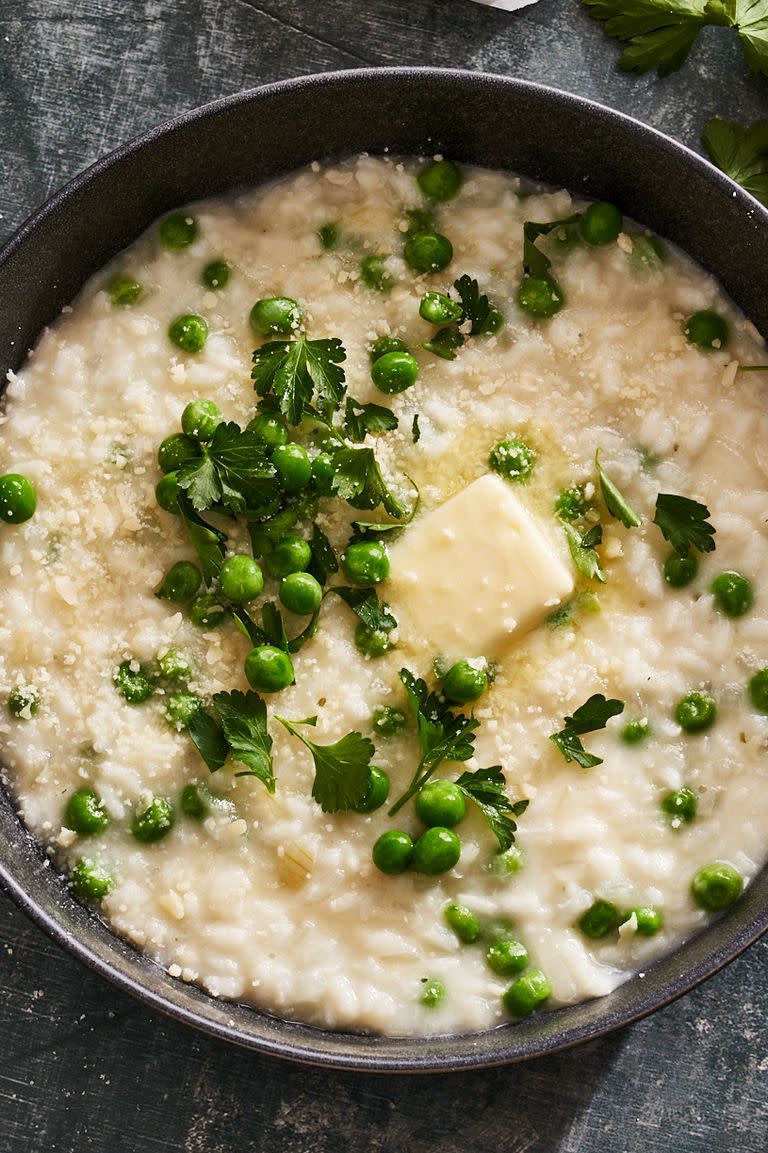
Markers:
point(83, 1066)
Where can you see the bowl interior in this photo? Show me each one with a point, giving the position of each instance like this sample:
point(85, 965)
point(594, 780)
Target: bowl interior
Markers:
point(257, 136)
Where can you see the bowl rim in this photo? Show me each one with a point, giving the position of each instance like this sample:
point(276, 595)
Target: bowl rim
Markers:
point(308, 1049)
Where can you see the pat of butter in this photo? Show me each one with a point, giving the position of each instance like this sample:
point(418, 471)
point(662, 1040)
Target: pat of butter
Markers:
point(479, 569)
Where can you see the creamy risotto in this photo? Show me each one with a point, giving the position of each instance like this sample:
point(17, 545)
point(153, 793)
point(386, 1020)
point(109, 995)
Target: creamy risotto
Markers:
point(284, 745)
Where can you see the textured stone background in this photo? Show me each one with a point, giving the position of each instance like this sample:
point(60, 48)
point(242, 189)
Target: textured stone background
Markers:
point(84, 1067)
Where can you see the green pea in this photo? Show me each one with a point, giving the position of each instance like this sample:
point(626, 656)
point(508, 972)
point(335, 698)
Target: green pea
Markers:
point(679, 571)
point(180, 583)
point(134, 682)
point(215, 275)
point(680, 805)
point(386, 344)
point(323, 472)
point(293, 466)
point(716, 886)
point(513, 459)
point(365, 562)
point(432, 992)
point(154, 822)
point(23, 702)
point(90, 880)
point(375, 274)
point(328, 235)
point(507, 956)
point(18, 499)
point(600, 919)
point(195, 801)
point(601, 223)
point(207, 612)
point(636, 731)
point(300, 593)
point(167, 493)
point(428, 252)
point(707, 330)
point(175, 451)
point(387, 721)
point(276, 315)
point(290, 554)
point(85, 813)
point(526, 993)
point(241, 579)
point(507, 863)
point(372, 643)
point(440, 180)
point(124, 291)
point(376, 791)
point(463, 922)
point(201, 418)
point(437, 308)
point(466, 680)
point(269, 669)
point(175, 665)
point(270, 427)
point(180, 708)
point(696, 712)
point(733, 593)
point(499, 929)
point(572, 504)
point(394, 372)
point(436, 851)
point(441, 803)
point(178, 230)
point(392, 852)
point(188, 332)
point(540, 296)
point(758, 691)
point(649, 920)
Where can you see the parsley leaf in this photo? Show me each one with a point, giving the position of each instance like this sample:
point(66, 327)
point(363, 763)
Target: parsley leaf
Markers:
point(660, 33)
point(365, 603)
point(324, 559)
point(584, 552)
point(617, 505)
point(358, 480)
point(341, 769)
point(742, 153)
point(361, 419)
point(244, 724)
point(444, 343)
point(683, 522)
point(592, 715)
point(443, 734)
point(233, 470)
point(476, 307)
point(208, 542)
point(209, 740)
point(294, 370)
point(415, 430)
point(535, 263)
point(486, 787)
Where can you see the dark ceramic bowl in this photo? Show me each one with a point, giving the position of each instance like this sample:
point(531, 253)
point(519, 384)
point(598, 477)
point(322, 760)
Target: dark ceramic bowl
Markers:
point(243, 140)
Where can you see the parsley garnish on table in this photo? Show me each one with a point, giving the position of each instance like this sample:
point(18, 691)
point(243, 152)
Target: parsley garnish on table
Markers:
point(341, 769)
point(741, 152)
point(660, 33)
point(594, 714)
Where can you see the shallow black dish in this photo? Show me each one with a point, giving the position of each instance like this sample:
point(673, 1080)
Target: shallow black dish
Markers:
point(244, 140)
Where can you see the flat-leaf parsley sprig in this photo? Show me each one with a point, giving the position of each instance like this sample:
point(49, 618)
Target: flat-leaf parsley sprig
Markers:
point(594, 714)
point(683, 522)
point(741, 152)
point(240, 734)
point(660, 33)
point(342, 769)
point(486, 789)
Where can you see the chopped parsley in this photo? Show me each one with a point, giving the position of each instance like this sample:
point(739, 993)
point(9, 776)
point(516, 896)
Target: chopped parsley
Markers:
point(366, 605)
point(741, 152)
point(660, 33)
point(618, 506)
point(358, 479)
point(583, 550)
point(535, 262)
point(476, 308)
point(341, 769)
point(592, 715)
point(683, 522)
point(362, 419)
point(415, 430)
point(241, 736)
point(297, 371)
point(486, 788)
point(208, 542)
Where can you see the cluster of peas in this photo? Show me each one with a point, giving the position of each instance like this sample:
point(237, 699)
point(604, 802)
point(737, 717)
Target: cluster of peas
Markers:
point(86, 814)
